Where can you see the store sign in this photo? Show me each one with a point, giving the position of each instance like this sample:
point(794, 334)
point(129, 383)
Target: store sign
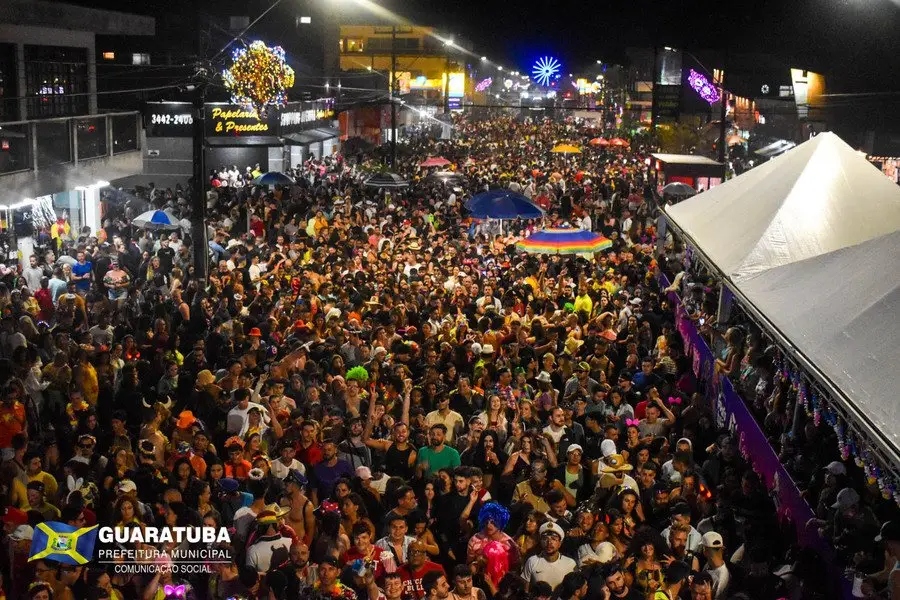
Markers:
point(169, 119)
point(297, 116)
point(175, 119)
point(666, 103)
point(226, 120)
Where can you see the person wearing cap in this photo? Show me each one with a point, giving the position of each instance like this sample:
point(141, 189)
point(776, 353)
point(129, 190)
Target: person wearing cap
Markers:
point(580, 384)
point(561, 434)
point(238, 420)
point(889, 539)
point(38, 503)
point(576, 482)
point(716, 566)
point(549, 566)
point(269, 543)
point(450, 419)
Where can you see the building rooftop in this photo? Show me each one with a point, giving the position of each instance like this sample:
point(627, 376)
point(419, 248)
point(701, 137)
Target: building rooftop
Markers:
point(59, 15)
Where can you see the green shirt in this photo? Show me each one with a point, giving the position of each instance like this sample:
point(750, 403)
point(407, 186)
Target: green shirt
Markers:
point(448, 457)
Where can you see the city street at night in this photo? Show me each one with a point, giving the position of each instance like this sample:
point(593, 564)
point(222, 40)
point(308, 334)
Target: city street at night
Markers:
point(380, 300)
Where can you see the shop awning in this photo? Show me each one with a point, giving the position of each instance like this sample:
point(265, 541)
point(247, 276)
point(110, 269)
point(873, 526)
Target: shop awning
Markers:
point(311, 136)
point(328, 132)
point(240, 141)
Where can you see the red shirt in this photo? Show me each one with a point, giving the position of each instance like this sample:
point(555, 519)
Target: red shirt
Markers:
point(45, 301)
point(412, 580)
point(309, 456)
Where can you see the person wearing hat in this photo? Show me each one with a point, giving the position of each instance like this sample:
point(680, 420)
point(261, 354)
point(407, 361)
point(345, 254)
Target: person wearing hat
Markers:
point(549, 566)
point(577, 483)
point(269, 544)
point(716, 566)
point(37, 502)
point(580, 384)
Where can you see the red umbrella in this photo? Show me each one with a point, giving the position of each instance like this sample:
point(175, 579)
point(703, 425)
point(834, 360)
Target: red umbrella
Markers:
point(618, 142)
point(598, 141)
point(435, 161)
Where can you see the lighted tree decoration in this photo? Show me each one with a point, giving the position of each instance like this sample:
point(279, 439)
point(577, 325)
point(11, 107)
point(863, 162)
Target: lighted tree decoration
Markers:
point(259, 77)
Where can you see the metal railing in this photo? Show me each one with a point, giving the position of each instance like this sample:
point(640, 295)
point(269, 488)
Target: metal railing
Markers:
point(45, 143)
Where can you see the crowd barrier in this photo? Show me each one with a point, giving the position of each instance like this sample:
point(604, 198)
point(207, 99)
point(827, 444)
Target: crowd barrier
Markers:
point(730, 412)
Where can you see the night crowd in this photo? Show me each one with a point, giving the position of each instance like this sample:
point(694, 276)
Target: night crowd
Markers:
point(382, 399)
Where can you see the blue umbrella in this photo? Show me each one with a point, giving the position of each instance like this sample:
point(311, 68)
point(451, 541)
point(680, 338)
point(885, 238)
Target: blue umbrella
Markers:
point(156, 219)
point(273, 178)
point(503, 204)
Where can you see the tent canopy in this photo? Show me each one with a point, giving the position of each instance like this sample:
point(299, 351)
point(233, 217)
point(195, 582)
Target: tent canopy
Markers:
point(840, 310)
point(810, 241)
point(817, 198)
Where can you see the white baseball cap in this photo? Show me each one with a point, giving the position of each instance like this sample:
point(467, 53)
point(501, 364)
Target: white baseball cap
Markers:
point(711, 539)
point(607, 448)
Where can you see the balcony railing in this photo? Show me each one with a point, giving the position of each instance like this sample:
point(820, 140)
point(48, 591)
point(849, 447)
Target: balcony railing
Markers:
point(47, 143)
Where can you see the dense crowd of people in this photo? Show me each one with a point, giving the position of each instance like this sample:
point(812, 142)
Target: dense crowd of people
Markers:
point(381, 399)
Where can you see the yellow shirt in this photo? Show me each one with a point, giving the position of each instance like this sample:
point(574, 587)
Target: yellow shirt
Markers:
point(49, 481)
point(584, 303)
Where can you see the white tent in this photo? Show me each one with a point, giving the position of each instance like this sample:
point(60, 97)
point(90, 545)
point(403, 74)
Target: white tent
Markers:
point(809, 241)
point(841, 310)
point(819, 197)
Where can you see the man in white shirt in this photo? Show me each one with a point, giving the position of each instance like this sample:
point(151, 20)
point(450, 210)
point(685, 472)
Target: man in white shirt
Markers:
point(451, 419)
point(714, 550)
point(549, 566)
point(285, 463)
point(238, 417)
point(259, 555)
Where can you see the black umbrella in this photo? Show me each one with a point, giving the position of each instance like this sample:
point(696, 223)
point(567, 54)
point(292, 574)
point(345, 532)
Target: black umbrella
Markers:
point(676, 188)
point(386, 180)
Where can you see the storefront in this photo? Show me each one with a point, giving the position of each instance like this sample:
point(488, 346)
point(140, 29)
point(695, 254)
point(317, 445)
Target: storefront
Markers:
point(237, 137)
point(699, 172)
point(307, 129)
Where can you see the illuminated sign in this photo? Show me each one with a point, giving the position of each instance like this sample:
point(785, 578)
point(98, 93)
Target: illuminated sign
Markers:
point(587, 87)
point(234, 120)
point(546, 70)
point(483, 84)
point(700, 84)
point(457, 87)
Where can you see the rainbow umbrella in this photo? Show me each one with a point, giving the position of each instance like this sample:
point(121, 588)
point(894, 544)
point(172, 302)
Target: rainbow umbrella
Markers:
point(564, 240)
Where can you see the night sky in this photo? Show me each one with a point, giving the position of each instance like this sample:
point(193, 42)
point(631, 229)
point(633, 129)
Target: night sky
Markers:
point(856, 43)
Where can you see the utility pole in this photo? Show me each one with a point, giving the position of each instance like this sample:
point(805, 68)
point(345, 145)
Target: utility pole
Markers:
point(198, 201)
point(447, 45)
point(724, 100)
point(393, 95)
